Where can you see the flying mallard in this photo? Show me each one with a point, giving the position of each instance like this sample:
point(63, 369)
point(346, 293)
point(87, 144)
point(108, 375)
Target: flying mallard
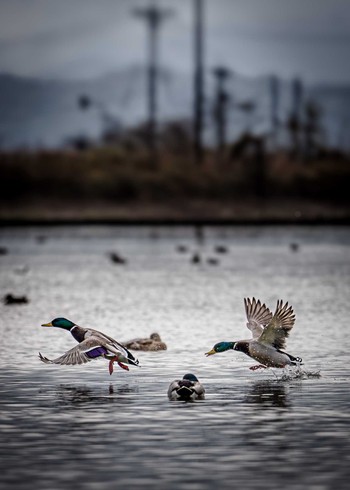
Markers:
point(92, 344)
point(153, 343)
point(187, 388)
point(269, 335)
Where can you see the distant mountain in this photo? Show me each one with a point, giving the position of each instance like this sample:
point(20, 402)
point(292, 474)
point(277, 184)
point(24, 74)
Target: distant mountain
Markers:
point(45, 113)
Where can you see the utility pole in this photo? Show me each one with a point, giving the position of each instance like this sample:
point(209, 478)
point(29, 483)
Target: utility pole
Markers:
point(275, 101)
point(198, 81)
point(220, 108)
point(153, 16)
point(294, 121)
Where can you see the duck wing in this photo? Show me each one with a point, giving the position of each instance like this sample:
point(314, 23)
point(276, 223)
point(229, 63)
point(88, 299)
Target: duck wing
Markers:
point(278, 329)
point(86, 351)
point(258, 316)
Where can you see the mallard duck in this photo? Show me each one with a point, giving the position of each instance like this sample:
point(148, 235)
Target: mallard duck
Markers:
point(92, 344)
point(269, 335)
point(187, 388)
point(153, 343)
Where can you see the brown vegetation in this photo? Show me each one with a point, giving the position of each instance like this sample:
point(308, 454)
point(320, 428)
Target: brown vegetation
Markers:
point(125, 177)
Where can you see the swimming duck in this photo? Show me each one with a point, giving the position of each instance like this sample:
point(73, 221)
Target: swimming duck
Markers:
point(187, 388)
point(92, 344)
point(269, 335)
point(153, 343)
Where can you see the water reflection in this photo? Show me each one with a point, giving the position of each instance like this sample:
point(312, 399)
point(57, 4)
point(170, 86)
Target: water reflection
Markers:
point(68, 395)
point(269, 394)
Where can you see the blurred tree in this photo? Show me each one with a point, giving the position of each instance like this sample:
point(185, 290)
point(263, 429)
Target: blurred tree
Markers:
point(248, 108)
point(312, 129)
point(84, 102)
point(274, 105)
point(176, 137)
point(111, 126)
point(294, 124)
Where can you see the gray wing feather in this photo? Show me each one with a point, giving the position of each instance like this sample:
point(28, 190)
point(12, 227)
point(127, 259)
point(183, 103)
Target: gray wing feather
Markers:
point(258, 316)
point(278, 329)
point(76, 355)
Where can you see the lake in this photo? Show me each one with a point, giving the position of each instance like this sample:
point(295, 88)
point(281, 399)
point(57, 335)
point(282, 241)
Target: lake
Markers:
point(78, 427)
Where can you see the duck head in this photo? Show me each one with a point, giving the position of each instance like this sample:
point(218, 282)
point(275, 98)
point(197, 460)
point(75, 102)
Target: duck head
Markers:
point(221, 347)
point(191, 377)
point(60, 323)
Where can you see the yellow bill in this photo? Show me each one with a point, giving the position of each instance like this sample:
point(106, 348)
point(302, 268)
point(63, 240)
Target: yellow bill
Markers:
point(210, 353)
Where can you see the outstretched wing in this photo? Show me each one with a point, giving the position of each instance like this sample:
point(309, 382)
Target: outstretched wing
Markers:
point(279, 327)
point(86, 351)
point(258, 316)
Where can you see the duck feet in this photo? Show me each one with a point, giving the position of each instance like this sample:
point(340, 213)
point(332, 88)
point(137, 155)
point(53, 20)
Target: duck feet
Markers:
point(259, 366)
point(112, 361)
point(110, 366)
point(123, 366)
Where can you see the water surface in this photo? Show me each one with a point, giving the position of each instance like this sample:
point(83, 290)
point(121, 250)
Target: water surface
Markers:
point(65, 427)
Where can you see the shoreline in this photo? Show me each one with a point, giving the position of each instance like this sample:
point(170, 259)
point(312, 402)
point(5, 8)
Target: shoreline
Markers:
point(186, 213)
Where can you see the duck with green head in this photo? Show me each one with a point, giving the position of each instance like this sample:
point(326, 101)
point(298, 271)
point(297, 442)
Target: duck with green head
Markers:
point(188, 389)
point(92, 345)
point(269, 333)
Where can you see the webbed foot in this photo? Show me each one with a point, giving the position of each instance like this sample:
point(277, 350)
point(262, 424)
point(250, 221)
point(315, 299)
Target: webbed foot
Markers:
point(110, 366)
point(259, 366)
point(123, 366)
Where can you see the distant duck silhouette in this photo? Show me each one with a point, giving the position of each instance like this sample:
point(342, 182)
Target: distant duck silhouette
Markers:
point(10, 299)
point(188, 388)
point(182, 249)
point(3, 251)
point(199, 233)
point(196, 258)
point(41, 238)
point(294, 246)
point(22, 270)
point(117, 259)
point(152, 343)
point(212, 261)
point(221, 249)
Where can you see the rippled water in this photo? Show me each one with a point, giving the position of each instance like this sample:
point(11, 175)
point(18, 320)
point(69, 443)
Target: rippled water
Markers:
point(78, 427)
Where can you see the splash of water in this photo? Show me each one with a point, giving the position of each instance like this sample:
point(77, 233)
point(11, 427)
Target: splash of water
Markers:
point(296, 372)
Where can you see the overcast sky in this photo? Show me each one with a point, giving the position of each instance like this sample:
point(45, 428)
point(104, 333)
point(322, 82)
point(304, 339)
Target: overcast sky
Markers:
point(86, 38)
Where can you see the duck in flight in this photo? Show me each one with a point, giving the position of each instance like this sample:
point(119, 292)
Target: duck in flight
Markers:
point(92, 344)
point(269, 333)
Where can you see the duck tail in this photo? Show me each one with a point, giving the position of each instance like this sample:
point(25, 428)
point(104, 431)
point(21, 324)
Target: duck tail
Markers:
point(296, 361)
point(132, 360)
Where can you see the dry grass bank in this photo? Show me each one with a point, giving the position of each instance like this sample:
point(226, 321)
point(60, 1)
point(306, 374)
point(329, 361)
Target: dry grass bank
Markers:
point(109, 178)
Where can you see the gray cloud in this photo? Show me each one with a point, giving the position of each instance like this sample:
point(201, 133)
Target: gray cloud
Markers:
point(85, 38)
